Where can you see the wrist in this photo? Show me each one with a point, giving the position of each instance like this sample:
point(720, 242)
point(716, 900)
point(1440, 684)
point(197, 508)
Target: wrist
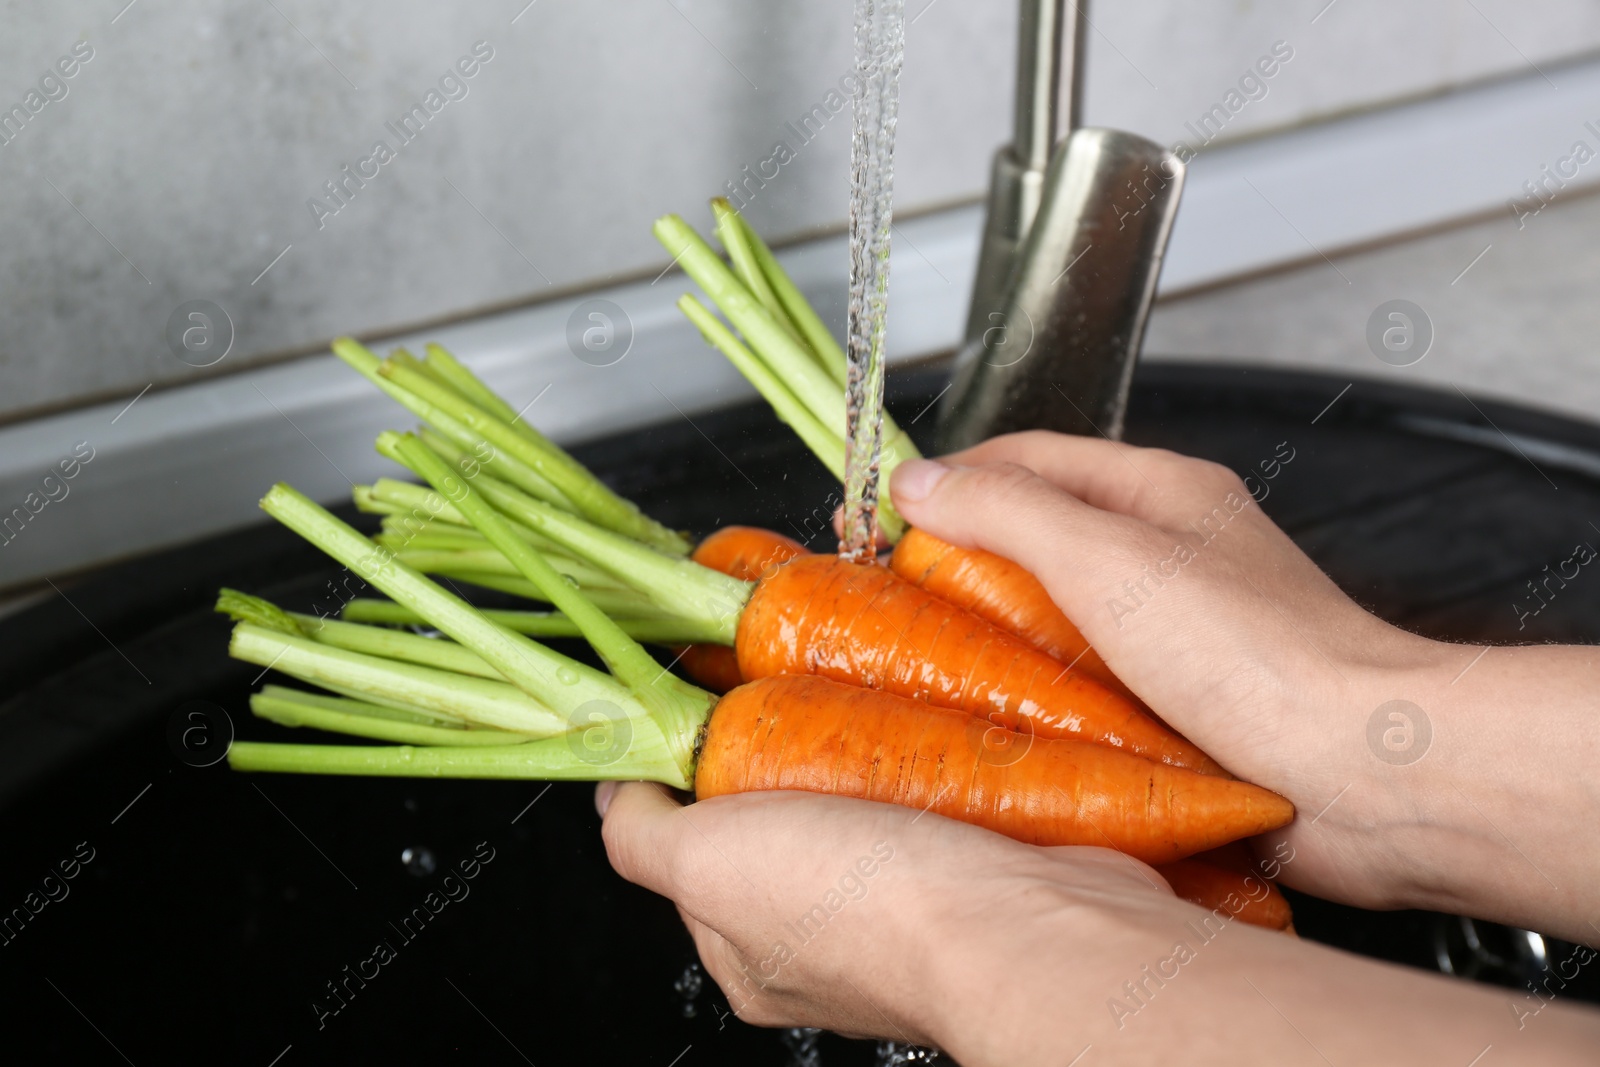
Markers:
point(1482, 820)
point(1361, 788)
point(1058, 937)
point(994, 931)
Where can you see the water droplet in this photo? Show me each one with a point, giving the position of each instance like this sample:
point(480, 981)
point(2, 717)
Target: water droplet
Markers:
point(688, 986)
point(567, 676)
point(898, 1054)
point(419, 861)
point(801, 1041)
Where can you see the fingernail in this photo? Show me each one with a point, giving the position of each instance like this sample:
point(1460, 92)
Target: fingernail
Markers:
point(915, 479)
point(602, 796)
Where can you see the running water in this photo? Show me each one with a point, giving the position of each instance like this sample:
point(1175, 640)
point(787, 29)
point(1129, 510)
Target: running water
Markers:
point(880, 48)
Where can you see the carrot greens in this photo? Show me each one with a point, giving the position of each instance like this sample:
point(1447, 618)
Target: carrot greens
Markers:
point(787, 352)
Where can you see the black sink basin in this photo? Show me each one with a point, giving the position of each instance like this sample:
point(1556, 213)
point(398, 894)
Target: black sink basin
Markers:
point(215, 917)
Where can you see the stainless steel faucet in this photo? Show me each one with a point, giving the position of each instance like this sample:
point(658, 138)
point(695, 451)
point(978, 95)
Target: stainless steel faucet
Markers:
point(1070, 257)
point(1044, 104)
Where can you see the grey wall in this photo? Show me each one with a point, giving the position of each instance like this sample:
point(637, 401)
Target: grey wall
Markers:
point(1156, 65)
point(179, 163)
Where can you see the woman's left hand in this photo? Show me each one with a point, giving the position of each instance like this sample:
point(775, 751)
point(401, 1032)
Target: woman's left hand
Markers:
point(862, 918)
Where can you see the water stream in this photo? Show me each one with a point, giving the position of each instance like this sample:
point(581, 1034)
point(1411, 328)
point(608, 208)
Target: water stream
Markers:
point(880, 40)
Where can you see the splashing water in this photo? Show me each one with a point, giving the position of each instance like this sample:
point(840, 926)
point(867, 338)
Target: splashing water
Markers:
point(689, 986)
point(880, 37)
point(801, 1041)
point(898, 1054)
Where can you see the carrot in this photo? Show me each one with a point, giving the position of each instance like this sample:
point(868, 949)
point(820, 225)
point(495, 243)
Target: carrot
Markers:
point(820, 736)
point(747, 553)
point(804, 733)
point(783, 344)
point(867, 626)
point(990, 586)
point(1003, 593)
point(1246, 896)
point(713, 667)
point(638, 722)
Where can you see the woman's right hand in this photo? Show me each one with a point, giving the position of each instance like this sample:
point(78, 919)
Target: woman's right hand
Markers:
point(1213, 616)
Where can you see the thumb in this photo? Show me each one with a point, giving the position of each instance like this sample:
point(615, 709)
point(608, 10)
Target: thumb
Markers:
point(642, 827)
point(1074, 549)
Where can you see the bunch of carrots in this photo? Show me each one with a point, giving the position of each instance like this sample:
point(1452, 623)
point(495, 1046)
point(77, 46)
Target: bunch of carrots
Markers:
point(946, 680)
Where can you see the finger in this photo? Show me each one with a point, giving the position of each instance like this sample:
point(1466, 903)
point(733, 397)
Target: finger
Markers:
point(1075, 549)
point(1120, 870)
point(643, 829)
point(1148, 483)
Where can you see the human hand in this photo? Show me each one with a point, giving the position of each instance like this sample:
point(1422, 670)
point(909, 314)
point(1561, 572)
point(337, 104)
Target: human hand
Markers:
point(1210, 614)
point(866, 919)
point(1007, 954)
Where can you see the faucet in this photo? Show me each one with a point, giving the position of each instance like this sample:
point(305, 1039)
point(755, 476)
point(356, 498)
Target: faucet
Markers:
point(1073, 239)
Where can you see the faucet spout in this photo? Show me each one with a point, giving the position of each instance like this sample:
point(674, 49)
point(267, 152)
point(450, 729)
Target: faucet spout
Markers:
point(1047, 99)
point(1060, 353)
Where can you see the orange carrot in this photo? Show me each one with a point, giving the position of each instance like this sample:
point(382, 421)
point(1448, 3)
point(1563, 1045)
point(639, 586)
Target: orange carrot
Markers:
point(866, 626)
point(746, 553)
point(1000, 592)
point(1246, 896)
point(812, 734)
point(711, 667)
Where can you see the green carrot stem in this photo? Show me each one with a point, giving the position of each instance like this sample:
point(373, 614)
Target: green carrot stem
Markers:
point(242, 607)
point(469, 467)
point(410, 526)
point(442, 417)
point(407, 685)
point(452, 539)
point(443, 538)
point(534, 623)
point(553, 759)
point(624, 602)
point(350, 706)
point(444, 654)
point(404, 357)
point(709, 618)
point(677, 711)
point(818, 384)
point(492, 561)
point(734, 235)
point(471, 547)
point(536, 670)
point(394, 535)
point(589, 496)
point(288, 711)
point(801, 313)
point(782, 353)
point(370, 640)
point(679, 587)
point(411, 507)
point(361, 496)
point(828, 447)
point(454, 373)
point(628, 660)
point(650, 732)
